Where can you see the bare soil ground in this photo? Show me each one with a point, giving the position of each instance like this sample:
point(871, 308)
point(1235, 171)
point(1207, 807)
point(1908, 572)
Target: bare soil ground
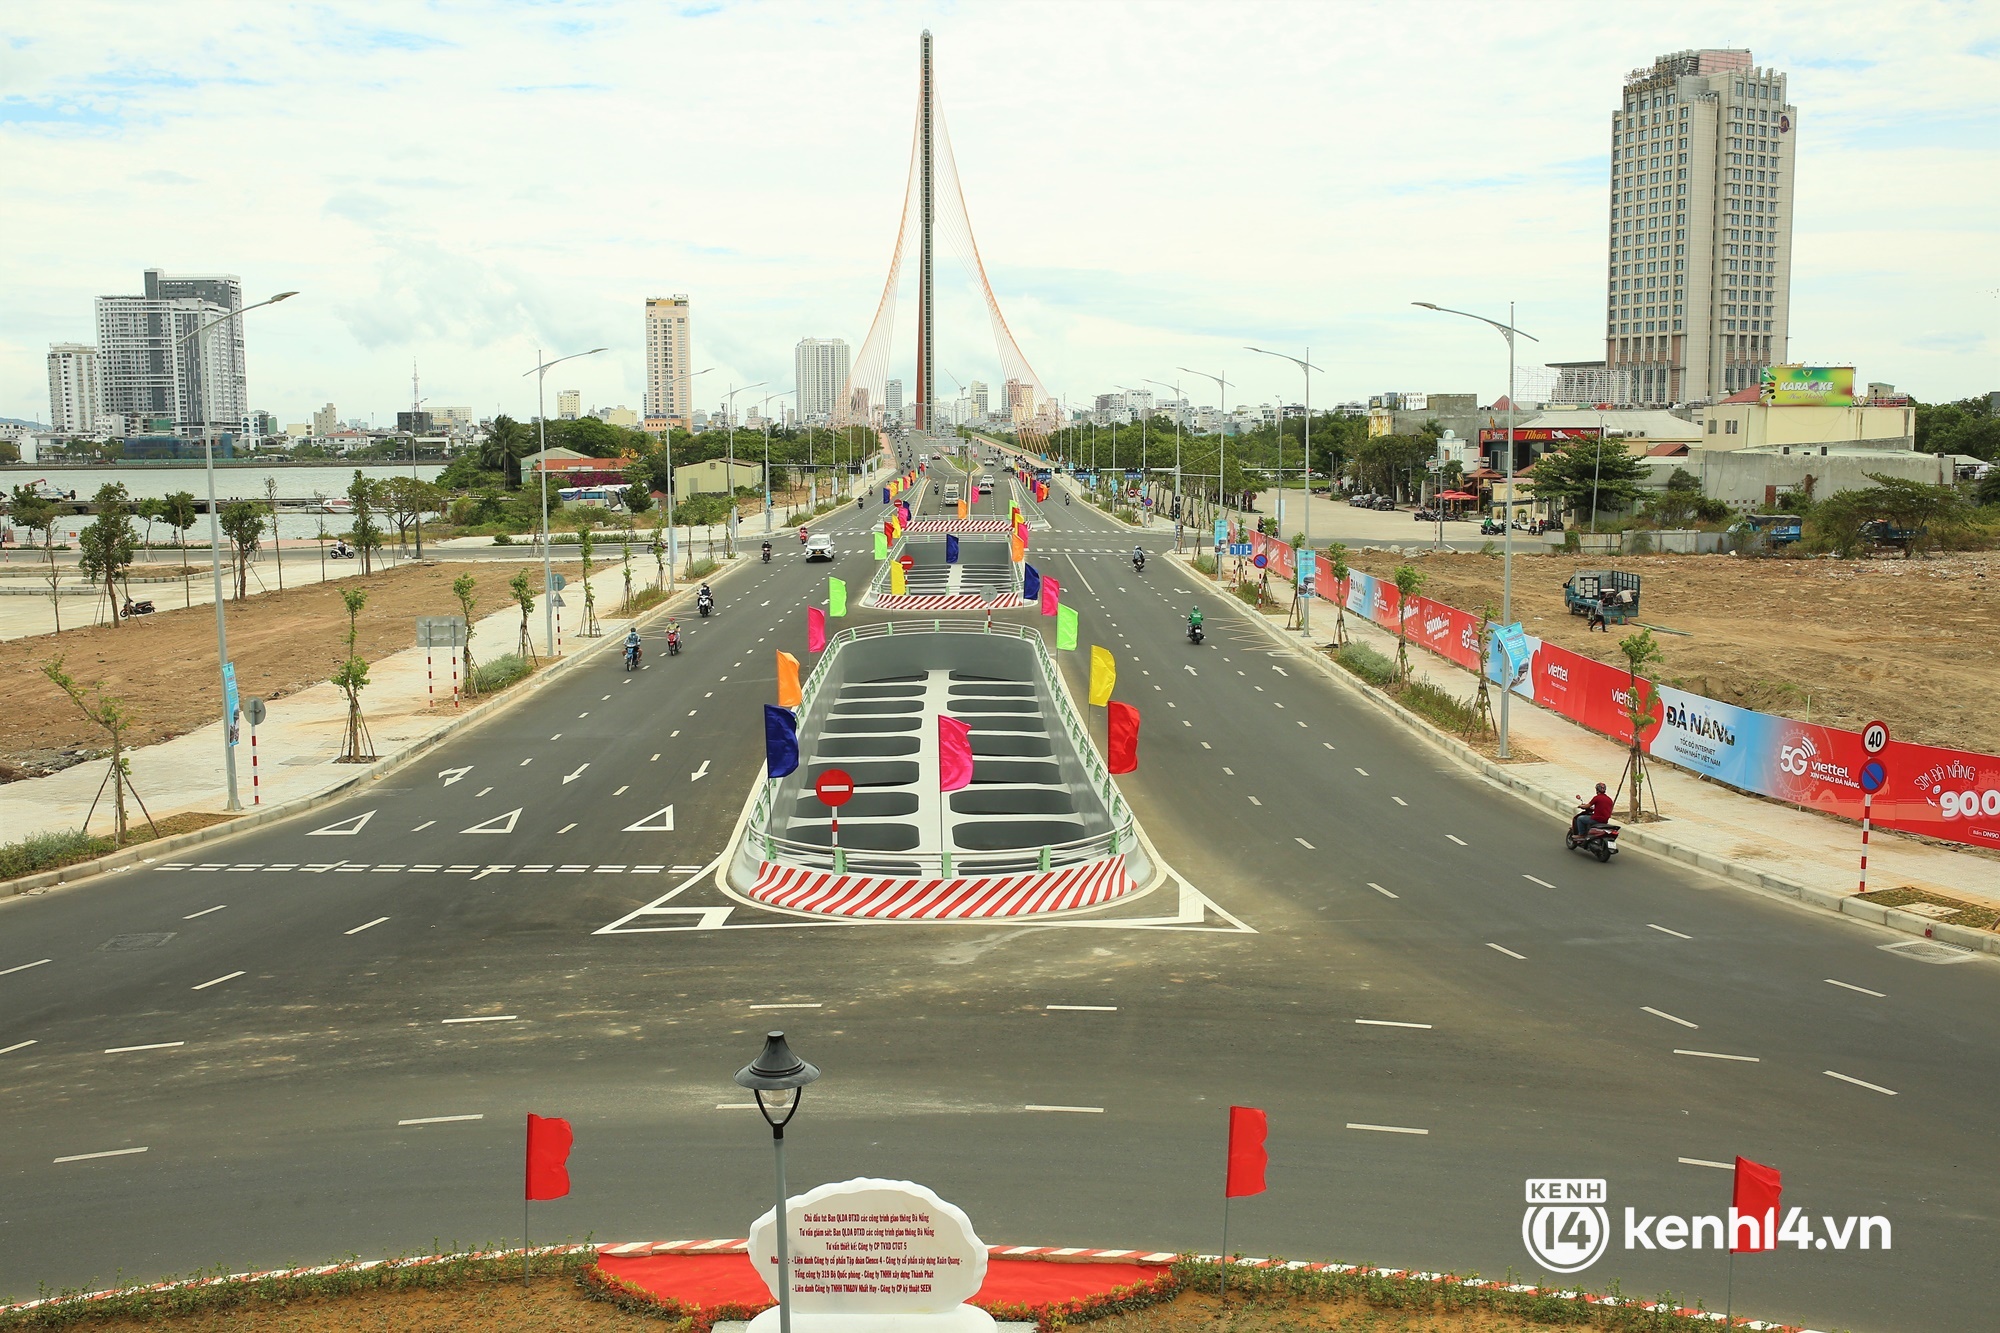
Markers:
point(1914, 642)
point(163, 666)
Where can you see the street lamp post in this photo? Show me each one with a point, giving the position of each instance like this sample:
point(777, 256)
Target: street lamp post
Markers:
point(1507, 331)
point(781, 1077)
point(1178, 401)
point(1221, 442)
point(1305, 603)
point(729, 480)
point(673, 539)
point(215, 540)
point(540, 372)
point(764, 411)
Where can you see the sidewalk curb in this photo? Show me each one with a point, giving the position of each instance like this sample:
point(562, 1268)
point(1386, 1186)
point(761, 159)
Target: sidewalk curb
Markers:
point(139, 853)
point(1826, 900)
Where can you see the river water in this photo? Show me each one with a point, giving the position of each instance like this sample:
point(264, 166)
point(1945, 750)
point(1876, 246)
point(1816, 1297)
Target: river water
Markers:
point(233, 481)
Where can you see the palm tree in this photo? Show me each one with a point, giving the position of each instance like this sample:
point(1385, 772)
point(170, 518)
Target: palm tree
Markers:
point(505, 445)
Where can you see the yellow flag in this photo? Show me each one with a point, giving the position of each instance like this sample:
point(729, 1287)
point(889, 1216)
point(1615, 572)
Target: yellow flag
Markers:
point(897, 586)
point(1103, 675)
point(788, 681)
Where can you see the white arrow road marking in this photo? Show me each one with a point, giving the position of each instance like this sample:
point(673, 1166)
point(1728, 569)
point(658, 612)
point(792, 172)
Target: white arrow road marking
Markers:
point(497, 824)
point(699, 773)
point(1190, 670)
point(451, 775)
point(660, 821)
point(344, 827)
point(572, 777)
point(1281, 671)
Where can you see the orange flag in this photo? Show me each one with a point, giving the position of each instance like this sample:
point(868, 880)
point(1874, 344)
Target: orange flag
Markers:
point(789, 694)
point(962, 511)
point(1020, 548)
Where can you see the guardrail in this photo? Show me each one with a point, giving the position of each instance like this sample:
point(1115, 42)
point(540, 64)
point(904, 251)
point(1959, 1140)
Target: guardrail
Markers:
point(1121, 836)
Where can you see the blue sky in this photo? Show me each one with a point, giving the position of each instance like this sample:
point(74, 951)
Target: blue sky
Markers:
point(1151, 185)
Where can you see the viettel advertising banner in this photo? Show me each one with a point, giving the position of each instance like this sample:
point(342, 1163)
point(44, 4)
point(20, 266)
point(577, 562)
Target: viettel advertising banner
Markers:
point(1809, 386)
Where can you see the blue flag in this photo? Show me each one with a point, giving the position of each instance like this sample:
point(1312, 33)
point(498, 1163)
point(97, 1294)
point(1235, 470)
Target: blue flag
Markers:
point(885, 495)
point(950, 549)
point(1031, 583)
point(781, 741)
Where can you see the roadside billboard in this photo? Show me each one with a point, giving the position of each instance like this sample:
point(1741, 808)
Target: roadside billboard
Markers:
point(1809, 386)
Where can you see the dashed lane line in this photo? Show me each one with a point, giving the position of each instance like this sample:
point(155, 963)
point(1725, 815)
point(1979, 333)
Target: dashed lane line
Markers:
point(1085, 1008)
point(792, 1004)
point(367, 926)
point(93, 1156)
point(1379, 889)
point(437, 1119)
point(1863, 989)
point(1661, 1013)
point(1303, 843)
point(149, 1046)
point(1501, 948)
point(1455, 838)
point(485, 1018)
point(1532, 880)
point(217, 982)
point(1703, 1161)
point(1389, 1023)
point(1720, 1055)
point(1860, 1083)
point(204, 911)
point(17, 1046)
point(25, 966)
point(1664, 931)
point(1387, 1129)
point(1074, 1110)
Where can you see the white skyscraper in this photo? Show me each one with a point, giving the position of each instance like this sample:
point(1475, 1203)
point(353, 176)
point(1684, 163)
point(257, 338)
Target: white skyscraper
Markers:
point(148, 369)
point(820, 366)
point(74, 396)
point(1699, 283)
point(892, 399)
point(669, 349)
point(569, 404)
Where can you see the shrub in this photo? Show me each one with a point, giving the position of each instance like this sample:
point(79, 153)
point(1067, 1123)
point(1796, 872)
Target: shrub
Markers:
point(46, 851)
point(1205, 564)
point(699, 569)
point(642, 600)
point(500, 672)
point(1638, 542)
point(1366, 663)
point(1445, 709)
point(502, 539)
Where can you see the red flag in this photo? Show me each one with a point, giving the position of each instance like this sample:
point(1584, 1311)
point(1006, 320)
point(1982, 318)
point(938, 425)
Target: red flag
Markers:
point(815, 630)
point(1755, 1201)
point(548, 1157)
point(1247, 1156)
point(1124, 724)
point(954, 753)
point(1051, 590)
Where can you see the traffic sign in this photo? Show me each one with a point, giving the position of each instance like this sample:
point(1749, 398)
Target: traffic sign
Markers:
point(440, 632)
point(1239, 548)
point(1873, 775)
point(1261, 560)
point(834, 788)
point(253, 711)
point(558, 581)
point(1875, 737)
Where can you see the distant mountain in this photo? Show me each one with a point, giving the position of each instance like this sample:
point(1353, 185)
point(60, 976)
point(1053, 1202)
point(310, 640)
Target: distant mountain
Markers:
point(16, 421)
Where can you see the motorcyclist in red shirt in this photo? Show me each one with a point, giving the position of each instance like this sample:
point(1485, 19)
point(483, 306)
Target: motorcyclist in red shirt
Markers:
point(1596, 810)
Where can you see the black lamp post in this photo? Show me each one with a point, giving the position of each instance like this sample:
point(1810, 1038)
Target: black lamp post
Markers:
point(779, 1078)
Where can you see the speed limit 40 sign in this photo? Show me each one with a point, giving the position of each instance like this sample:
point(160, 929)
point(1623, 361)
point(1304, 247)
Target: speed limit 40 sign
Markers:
point(1875, 737)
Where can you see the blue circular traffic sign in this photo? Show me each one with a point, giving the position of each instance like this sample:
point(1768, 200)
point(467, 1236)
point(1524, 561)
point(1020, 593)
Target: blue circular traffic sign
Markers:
point(1873, 775)
point(1261, 561)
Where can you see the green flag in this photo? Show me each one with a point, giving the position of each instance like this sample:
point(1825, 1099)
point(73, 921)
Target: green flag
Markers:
point(836, 597)
point(881, 545)
point(1065, 626)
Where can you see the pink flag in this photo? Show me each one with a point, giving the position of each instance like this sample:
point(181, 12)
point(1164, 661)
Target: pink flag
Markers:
point(1051, 590)
point(954, 753)
point(815, 630)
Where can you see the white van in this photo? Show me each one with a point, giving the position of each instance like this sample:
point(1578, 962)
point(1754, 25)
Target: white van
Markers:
point(951, 493)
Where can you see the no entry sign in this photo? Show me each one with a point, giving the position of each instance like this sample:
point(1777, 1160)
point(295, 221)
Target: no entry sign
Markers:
point(834, 788)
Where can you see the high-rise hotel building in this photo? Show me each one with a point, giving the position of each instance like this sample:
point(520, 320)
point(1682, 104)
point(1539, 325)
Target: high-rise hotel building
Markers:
point(669, 353)
point(1702, 191)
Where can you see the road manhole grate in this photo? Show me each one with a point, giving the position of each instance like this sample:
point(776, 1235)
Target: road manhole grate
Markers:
point(1927, 951)
point(127, 943)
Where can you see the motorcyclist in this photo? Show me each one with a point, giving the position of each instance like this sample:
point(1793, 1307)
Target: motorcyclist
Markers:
point(632, 644)
point(1597, 810)
point(1138, 557)
point(802, 534)
point(767, 553)
point(673, 636)
point(1194, 618)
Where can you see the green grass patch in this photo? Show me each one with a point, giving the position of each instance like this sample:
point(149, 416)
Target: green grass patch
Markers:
point(48, 851)
point(502, 671)
point(643, 600)
point(699, 569)
point(1366, 663)
point(1443, 708)
point(1205, 564)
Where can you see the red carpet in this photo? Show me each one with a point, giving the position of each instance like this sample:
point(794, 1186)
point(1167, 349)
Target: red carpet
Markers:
point(709, 1279)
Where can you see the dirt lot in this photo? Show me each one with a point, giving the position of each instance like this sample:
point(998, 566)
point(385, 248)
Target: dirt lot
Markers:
point(1914, 642)
point(163, 665)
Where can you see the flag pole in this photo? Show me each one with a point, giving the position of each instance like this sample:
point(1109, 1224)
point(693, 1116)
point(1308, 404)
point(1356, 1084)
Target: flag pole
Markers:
point(1729, 1288)
point(1223, 1266)
point(526, 1253)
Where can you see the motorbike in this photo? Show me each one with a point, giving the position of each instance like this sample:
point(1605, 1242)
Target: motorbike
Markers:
point(673, 643)
point(1601, 841)
point(1489, 528)
point(1194, 634)
point(705, 605)
point(631, 657)
point(767, 553)
point(133, 608)
point(341, 552)
point(1139, 563)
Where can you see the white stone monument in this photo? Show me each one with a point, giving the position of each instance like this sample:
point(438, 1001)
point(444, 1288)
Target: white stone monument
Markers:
point(874, 1256)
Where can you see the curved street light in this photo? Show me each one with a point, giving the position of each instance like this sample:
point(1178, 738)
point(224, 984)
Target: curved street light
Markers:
point(1305, 602)
point(673, 539)
point(1221, 442)
point(1179, 404)
point(540, 371)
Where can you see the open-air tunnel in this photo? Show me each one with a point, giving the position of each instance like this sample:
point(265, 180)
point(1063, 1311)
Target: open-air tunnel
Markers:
point(985, 564)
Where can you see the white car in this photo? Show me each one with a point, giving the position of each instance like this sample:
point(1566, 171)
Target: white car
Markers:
point(819, 546)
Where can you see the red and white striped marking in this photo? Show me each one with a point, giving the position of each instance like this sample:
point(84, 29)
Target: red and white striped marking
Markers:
point(892, 898)
point(959, 525)
point(955, 601)
point(1867, 812)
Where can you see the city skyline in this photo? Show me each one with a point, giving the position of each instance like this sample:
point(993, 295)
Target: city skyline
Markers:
point(1472, 197)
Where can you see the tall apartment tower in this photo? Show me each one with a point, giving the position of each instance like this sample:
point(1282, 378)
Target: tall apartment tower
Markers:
point(669, 369)
point(569, 404)
point(149, 368)
point(819, 367)
point(892, 399)
point(1699, 283)
point(73, 390)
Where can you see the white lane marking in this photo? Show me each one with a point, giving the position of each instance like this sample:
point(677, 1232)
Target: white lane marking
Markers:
point(699, 773)
point(438, 1119)
point(19, 1045)
point(1079, 573)
point(371, 925)
point(736, 1106)
point(1281, 671)
point(1085, 1008)
point(556, 737)
point(1509, 952)
point(582, 715)
point(1328, 744)
point(1230, 771)
point(622, 790)
point(1078, 1110)
point(1703, 1161)
point(1362, 771)
point(93, 1156)
point(1379, 889)
point(565, 828)
point(572, 777)
point(1399, 800)
point(25, 966)
point(421, 827)
point(485, 1018)
point(1387, 1129)
point(481, 792)
point(217, 982)
point(1532, 880)
point(1255, 801)
point(1718, 1055)
point(1860, 1083)
point(451, 775)
point(1303, 843)
point(1388, 1023)
point(1863, 989)
point(791, 1005)
point(1455, 838)
point(605, 699)
point(654, 760)
point(149, 1046)
point(525, 762)
point(1206, 746)
point(1664, 931)
point(1661, 1013)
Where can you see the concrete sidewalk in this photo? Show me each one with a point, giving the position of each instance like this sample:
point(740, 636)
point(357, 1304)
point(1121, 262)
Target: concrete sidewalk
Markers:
point(1791, 851)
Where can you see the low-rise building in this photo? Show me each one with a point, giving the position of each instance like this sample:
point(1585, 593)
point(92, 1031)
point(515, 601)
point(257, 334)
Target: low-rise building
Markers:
point(712, 477)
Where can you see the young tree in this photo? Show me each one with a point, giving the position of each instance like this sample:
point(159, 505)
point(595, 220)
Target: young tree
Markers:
point(177, 510)
point(108, 544)
point(357, 747)
point(1336, 563)
point(586, 544)
point(36, 514)
point(462, 587)
point(277, 550)
point(243, 523)
point(406, 500)
point(660, 548)
point(625, 559)
point(524, 596)
point(110, 714)
point(366, 496)
point(1642, 704)
point(1409, 583)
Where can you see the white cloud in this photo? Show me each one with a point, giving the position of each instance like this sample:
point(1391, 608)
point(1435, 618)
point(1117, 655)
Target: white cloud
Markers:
point(1152, 185)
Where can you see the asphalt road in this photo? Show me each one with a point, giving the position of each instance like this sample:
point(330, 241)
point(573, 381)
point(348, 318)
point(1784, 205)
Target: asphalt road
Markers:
point(1381, 885)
